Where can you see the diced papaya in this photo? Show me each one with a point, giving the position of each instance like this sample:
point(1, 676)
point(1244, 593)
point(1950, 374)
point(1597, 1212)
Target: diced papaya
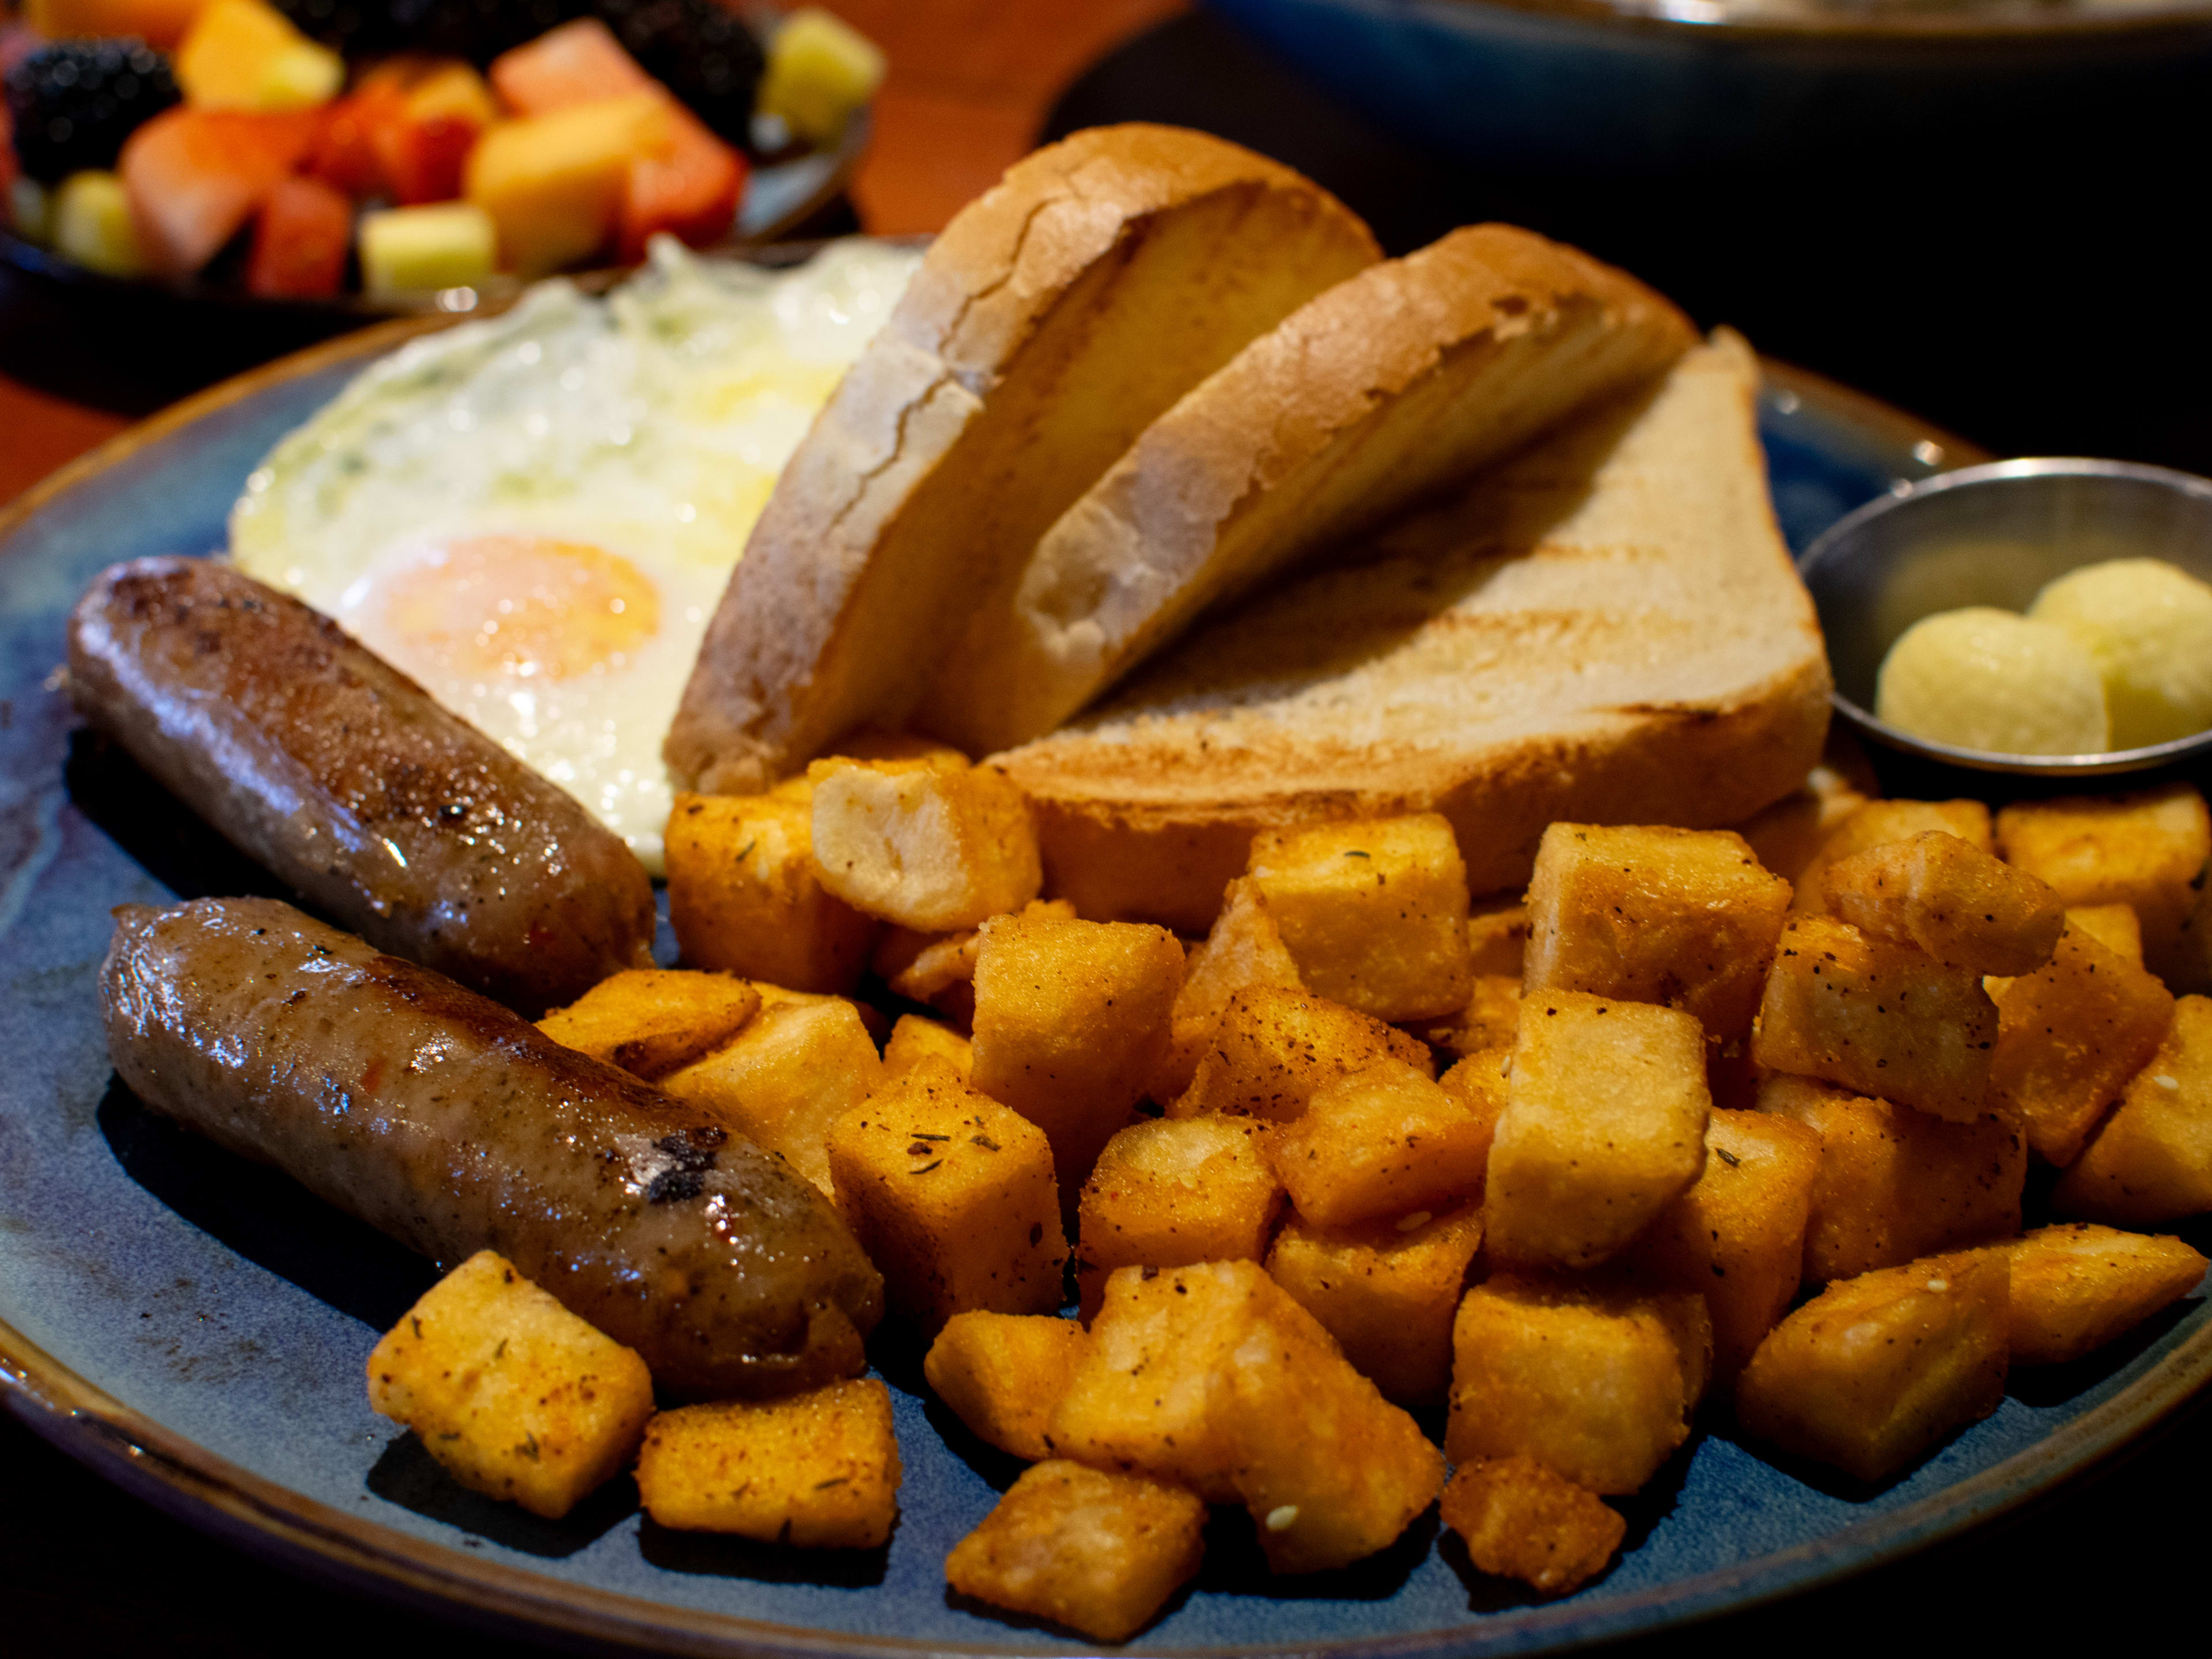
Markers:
point(579, 63)
point(195, 177)
point(299, 241)
point(691, 192)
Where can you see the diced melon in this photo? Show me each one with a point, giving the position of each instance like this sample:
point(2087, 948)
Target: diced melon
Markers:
point(820, 70)
point(410, 250)
point(578, 62)
point(195, 177)
point(553, 184)
point(244, 55)
point(159, 23)
point(691, 192)
point(423, 141)
point(299, 241)
point(91, 224)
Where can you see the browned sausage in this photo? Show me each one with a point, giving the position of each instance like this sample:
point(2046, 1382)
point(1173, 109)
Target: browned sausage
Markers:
point(313, 755)
point(451, 1124)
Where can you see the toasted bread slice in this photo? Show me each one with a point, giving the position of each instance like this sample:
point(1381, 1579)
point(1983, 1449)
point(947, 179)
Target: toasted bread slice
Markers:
point(1055, 317)
point(1391, 387)
point(1606, 628)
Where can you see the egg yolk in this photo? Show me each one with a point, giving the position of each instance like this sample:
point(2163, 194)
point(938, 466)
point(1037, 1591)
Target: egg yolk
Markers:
point(521, 605)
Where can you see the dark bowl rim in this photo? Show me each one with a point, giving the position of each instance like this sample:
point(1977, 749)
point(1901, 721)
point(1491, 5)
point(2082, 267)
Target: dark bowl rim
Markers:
point(2010, 21)
point(2109, 764)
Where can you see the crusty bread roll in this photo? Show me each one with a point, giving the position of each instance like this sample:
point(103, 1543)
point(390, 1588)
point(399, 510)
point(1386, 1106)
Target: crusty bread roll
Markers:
point(1390, 386)
point(1055, 317)
point(1606, 629)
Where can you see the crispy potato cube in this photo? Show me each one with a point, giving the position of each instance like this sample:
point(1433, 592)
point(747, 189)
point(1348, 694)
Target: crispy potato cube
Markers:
point(951, 1196)
point(1880, 821)
point(1958, 903)
point(922, 845)
point(939, 969)
point(1170, 1192)
point(1386, 1292)
point(1490, 1018)
point(516, 1396)
point(2077, 1285)
point(819, 1470)
point(2113, 926)
point(1594, 1381)
point(1382, 1142)
point(2147, 849)
point(914, 1039)
point(1787, 837)
point(1878, 1017)
point(1374, 912)
point(2152, 1162)
point(784, 1079)
point(744, 897)
point(1271, 1048)
point(1002, 1374)
point(1874, 1370)
point(1604, 1125)
point(1245, 948)
point(1498, 937)
point(1896, 1184)
point(1099, 1553)
point(1520, 1519)
point(648, 1021)
point(1685, 917)
point(1737, 1237)
point(1478, 1083)
point(2069, 1036)
point(1072, 1019)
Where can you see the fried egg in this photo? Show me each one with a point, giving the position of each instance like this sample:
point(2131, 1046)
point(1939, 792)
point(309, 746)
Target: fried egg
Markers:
point(534, 515)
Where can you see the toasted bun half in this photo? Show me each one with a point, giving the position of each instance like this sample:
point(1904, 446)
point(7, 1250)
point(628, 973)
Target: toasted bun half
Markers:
point(1055, 318)
point(1390, 387)
point(1606, 629)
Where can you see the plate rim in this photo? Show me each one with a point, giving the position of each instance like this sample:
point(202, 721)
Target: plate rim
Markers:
point(188, 1481)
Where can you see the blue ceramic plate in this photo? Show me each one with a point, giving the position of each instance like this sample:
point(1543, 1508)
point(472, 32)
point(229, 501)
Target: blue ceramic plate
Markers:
point(196, 1326)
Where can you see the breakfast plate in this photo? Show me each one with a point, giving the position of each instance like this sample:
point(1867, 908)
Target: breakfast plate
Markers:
point(195, 1327)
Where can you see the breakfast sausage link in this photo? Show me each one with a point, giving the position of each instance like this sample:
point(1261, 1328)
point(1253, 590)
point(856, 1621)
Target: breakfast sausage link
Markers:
point(443, 1119)
point(313, 755)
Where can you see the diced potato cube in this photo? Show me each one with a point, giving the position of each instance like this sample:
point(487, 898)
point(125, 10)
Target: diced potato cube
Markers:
point(1896, 1184)
point(2069, 1036)
point(1876, 1370)
point(2152, 1162)
point(1596, 1381)
point(1002, 1375)
point(1386, 1292)
point(1604, 1125)
point(649, 1021)
point(786, 1078)
point(1958, 903)
point(1097, 1552)
point(1479, 1084)
point(1787, 837)
point(1271, 1048)
point(1520, 1519)
point(1498, 937)
point(1244, 949)
point(1374, 912)
point(1490, 1018)
point(939, 969)
point(2077, 1285)
point(1685, 917)
point(914, 1039)
point(1170, 1192)
point(743, 897)
point(516, 1396)
point(2147, 849)
point(951, 1196)
point(819, 1470)
point(1072, 1019)
point(1880, 821)
point(2113, 926)
point(1737, 1237)
point(922, 846)
point(1878, 1017)
point(1382, 1142)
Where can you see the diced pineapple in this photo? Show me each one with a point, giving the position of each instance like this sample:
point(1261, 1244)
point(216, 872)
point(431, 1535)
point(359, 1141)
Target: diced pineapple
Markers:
point(241, 54)
point(820, 71)
point(420, 249)
point(92, 225)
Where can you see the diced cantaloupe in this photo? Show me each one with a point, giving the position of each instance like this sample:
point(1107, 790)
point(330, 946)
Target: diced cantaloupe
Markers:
point(244, 55)
point(553, 184)
point(195, 177)
point(300, 239)
point(410, 250)
point(579, 63)
point(91, 224)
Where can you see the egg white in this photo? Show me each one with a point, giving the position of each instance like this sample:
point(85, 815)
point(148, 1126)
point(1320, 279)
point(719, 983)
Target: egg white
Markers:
point(649, 425)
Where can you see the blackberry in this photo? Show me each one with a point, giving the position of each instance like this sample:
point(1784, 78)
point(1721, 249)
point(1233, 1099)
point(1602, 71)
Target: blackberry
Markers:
point(478, 30)
point(703, 54)
point(73, 102)
point(352, 28)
